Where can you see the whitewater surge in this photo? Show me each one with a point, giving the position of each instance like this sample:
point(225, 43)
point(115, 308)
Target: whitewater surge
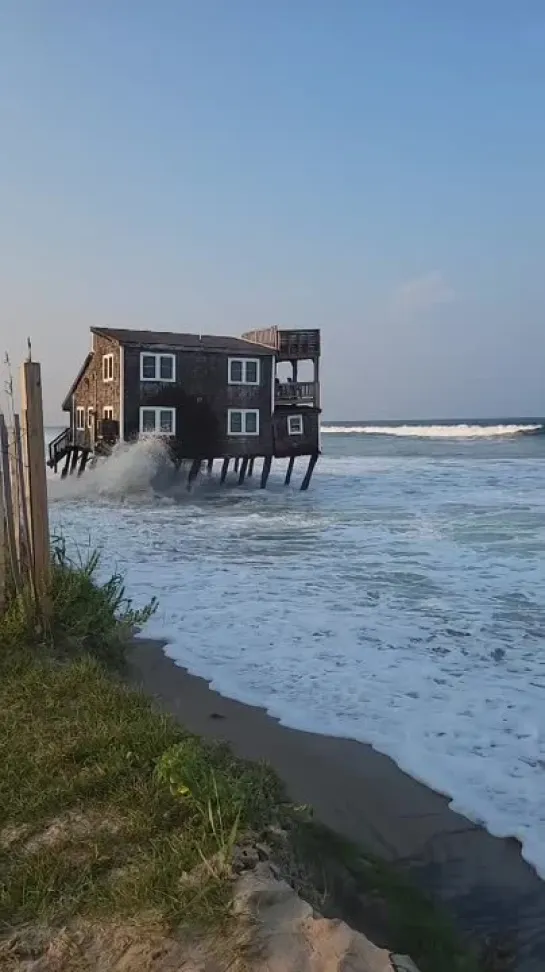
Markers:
point(461, 431)
point(400, 602)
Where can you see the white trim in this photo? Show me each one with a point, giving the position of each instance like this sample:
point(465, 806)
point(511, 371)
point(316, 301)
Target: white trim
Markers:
point(90, 413)
point(121, 393)
point(80, 418)
point(244, 380)
point(107, 367)
point(157, 410)
point(300, 430)
point(158, 356)
point(243, 412)
point(110, 410)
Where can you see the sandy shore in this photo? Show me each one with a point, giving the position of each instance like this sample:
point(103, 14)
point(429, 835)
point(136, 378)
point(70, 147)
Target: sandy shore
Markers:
point(367, 798)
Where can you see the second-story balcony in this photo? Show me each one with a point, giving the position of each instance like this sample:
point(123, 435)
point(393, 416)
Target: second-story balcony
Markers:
point(296, 393)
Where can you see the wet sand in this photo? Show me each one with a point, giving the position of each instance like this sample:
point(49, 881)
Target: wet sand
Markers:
point(363, 795)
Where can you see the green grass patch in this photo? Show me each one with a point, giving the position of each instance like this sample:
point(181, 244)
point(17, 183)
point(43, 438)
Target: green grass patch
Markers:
point(88, 823)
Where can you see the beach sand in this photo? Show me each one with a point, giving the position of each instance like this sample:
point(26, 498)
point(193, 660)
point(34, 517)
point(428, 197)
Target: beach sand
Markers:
point(488, 888)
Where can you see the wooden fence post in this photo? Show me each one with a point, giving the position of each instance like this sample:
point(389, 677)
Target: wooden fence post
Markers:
point(18, 474)
point(8, 504)
point(35, 474)
point(3, 540)
point(17, 496)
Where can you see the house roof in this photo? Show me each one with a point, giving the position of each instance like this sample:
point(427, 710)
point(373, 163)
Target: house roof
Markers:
point(67, 403)
point(189, 342)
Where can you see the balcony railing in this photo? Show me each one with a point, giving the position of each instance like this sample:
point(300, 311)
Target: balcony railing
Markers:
point(296, 392)
point(290, 345)
point(298, 344)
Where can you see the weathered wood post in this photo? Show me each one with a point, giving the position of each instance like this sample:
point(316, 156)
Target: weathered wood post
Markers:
point(35, 476)
point(21, 524)
point(289, 471)
point(237, 460)
point(243, 468)
point(224, 469)
point(84, 459)
point(3, 543)
point(17, 496)
point(267, 463)
point(7, 505)
point(209, 467)
point(308, 475)
point(193, 472)
point(251, 467)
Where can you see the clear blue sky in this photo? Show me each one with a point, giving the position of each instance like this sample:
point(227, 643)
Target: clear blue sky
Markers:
point(372, 167)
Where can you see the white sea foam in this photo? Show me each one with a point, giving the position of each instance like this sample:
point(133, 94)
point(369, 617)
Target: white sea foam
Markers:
point(461, 431)
point(400, 602)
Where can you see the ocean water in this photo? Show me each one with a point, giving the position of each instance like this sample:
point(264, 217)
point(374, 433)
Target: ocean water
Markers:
point(400, 602)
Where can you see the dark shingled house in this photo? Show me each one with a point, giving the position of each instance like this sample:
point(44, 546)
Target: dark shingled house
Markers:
point(210, 397)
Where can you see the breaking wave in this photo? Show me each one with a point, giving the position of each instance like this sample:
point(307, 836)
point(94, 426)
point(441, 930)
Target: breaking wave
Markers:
point(138, 469)
point(462, 431)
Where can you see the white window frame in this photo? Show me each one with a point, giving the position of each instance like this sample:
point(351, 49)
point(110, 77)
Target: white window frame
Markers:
point(107, 367)
point(108, 413)
point(301, 425)
point(157, 409)
point(90, 413)
point(244, 412)
point(157, 356)
point(244, 381)
point(80, 419)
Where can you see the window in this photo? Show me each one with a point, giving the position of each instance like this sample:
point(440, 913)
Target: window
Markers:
point(108, 413)
point(108, 367)
point(295, 424)
point(244, 371)
point(90, 413)
point(80, 419)
point(243, 421)
point(157, 367)
point(158, 421)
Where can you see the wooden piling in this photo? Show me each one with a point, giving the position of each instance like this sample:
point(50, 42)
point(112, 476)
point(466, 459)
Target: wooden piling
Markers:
point(224, 470)
point(193, 472)
point(251, 467)
point(35, 475)
point(308, 475)
point(237, 460)
point(243, 468)
point(75, 457)
point(289, 471)
point(209, 467)
point(267, 463)
point(66, 468)
point(84, 459)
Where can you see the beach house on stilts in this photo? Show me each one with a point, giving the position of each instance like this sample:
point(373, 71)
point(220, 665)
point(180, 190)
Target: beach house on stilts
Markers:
point(209, 397)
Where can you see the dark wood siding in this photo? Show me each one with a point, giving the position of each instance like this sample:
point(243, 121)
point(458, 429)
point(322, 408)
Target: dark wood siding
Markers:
point(202, 397)
point(95, 393)
point(296, 445)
